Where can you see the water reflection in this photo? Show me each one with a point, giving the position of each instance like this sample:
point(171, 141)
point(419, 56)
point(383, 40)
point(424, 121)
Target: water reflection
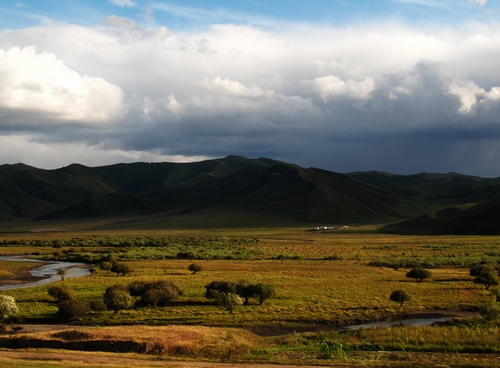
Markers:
point(48, 271)
point(425, 321)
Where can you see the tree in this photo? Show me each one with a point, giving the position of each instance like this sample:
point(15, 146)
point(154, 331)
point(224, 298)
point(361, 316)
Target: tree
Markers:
point(486, 278)
point(479, 269)
point(137, 288)
point(265, 291)
point(245, 290)
point(62, 272)
point(419, 274)
point(228, 301)
point(219, 287)
point(98, 306)
point(106, 266)
point(117, 298)
point(60, 293)
point(262, 292)
point(400, 296)
point(73, 309)
point(194, 267)
point(8, 307)
point(120, 269)
point(160, 293)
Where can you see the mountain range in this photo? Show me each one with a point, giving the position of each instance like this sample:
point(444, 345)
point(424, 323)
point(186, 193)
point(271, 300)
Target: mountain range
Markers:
point(238, 191)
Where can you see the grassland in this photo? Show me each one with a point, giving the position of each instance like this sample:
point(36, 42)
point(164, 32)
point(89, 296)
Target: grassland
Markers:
point(323, 280)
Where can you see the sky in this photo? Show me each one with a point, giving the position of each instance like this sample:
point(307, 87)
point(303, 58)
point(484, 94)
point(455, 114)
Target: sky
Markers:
point(402, 86)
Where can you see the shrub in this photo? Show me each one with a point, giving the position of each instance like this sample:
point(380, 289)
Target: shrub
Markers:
point(116, 298)
point(400, 296)
point(194, 267)
point(265, 291)
point(137, 288)
point(245, 290)
point(8, 307)
point(71, 310)
point(160, 293)
point(479, 269)
point(60, 293)
point(106, 266)
point(62, 272)
point(228, 301)
point(487, 278)
point(120, 269)
point(419, 274)
point(219, 287)
point(98, 306)
point(262, 292)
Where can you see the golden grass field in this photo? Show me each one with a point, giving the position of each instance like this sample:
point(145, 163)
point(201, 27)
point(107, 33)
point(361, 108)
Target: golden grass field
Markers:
point(323, 280)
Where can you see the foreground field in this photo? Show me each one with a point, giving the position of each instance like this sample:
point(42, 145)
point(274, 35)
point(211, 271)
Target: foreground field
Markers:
point(323, 280)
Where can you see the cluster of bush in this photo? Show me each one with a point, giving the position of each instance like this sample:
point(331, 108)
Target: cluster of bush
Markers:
point(70, 308)
point(153, 294)
point(116, 267)
point(261, 292)
point(157, 293)
point(484, 273)
point(149, 252)
point(129, 242)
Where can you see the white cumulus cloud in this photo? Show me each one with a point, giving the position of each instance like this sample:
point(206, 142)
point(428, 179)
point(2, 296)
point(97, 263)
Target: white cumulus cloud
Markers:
point(231, 87)
point(470, 94)
point(39, 83)
point(293, 93)
point(332, 86)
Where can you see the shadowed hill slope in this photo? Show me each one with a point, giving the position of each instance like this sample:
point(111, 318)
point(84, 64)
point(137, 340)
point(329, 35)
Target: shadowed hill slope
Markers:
point(28, 192)
point(442, 189)
point(283, 191)
point(234, 189)
point(470, 219)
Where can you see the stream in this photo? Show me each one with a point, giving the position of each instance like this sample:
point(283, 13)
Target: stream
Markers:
point(424, 321)
point(49, 271)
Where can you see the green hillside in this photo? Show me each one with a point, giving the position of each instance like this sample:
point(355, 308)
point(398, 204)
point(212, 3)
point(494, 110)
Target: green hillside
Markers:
point(442, 189)
point(232, 191)
point(470, 219)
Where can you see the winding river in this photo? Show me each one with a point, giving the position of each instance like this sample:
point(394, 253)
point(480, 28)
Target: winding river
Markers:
point(48, 271)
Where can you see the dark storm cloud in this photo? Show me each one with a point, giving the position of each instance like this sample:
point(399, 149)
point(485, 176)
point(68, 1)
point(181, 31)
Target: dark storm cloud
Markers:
point(380, 97)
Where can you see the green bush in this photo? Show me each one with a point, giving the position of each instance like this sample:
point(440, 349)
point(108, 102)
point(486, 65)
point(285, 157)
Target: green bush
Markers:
point(117, 298)
point(60, 293)
point(71, 310)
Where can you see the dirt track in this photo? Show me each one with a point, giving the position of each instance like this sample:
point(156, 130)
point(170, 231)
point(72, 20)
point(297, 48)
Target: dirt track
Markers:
point(116, 360)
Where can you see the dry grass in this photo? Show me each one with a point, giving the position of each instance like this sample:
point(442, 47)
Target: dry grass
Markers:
point(181, 341)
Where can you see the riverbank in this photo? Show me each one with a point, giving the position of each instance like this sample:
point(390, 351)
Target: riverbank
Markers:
point(31, 272)
point(18, 273)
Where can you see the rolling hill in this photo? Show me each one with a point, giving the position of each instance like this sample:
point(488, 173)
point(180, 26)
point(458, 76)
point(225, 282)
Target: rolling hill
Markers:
point(230, 191)
point(470, 219)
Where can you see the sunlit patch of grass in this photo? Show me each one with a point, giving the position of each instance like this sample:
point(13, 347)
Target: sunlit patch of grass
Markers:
point(184, 341)
point(6, 274)
point(308, 290)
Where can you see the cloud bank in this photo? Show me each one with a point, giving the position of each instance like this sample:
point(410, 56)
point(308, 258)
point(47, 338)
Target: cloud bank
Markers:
point(378, 96)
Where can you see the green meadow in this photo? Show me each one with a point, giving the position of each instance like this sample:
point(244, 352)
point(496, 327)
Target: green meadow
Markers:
point(323, 281)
